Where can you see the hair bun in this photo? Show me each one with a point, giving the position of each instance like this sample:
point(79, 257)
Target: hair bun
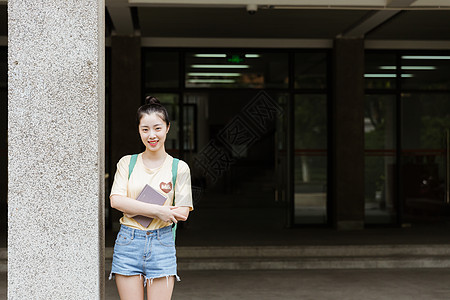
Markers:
point(152, 100)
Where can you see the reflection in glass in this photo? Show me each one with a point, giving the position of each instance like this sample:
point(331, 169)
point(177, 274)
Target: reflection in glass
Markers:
point(425, 126)
point(310, 178)
point(190, 126)
point(379, 169)
point(380, 70)
point(311, 70)
point(238, 180)
point(281, 158)
point(236, 70)
point(161, 69)
point(429, 72)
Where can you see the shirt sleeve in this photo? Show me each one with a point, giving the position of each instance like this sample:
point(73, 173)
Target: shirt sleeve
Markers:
point(183, 191)
point(120, 183)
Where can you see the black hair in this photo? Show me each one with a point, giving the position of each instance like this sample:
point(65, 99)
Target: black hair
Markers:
point(152, 105)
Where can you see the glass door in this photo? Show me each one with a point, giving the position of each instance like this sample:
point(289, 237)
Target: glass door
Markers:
point(235, 148)
point(311, 159)
point(380, 159)
point(425, 157)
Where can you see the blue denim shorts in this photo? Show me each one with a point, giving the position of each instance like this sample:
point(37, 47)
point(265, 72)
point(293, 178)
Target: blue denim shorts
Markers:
point(146, 253)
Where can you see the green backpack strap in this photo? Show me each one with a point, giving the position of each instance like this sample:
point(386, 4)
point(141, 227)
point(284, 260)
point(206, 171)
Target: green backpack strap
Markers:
point(174, 180)
point(133, 160)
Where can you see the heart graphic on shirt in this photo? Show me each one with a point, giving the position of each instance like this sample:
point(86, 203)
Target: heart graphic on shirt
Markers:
point(165, 187)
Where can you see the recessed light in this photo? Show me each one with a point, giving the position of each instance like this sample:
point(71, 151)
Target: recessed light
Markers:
point(214, 74)
point(220, 66)
point(425, 57)
point(211, 81)
point(387, 75)
point(210, 55)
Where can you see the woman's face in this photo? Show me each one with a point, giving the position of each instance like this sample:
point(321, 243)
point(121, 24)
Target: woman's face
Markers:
point(153, 131)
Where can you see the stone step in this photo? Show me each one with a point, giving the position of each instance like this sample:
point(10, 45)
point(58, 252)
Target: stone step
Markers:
point(302, 257)
point(316, 263)
point(315, 251)
point(311, 257)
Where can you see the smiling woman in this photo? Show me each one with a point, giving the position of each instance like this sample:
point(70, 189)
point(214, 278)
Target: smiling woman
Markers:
point(153, 125)
point(144, 253)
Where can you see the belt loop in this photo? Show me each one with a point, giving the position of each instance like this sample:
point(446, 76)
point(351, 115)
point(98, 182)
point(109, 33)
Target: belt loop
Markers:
point(132, 233)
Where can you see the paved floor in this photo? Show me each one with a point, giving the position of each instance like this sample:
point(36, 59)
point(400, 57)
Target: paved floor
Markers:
point(377, 284)
point(365, 284)
point(311, 284)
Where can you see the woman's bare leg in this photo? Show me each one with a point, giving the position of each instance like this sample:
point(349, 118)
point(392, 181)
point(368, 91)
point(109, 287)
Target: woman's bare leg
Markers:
point(130, 287)
point(160, 288)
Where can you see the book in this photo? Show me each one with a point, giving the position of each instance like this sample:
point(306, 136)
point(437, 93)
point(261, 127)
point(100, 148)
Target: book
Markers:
point(152, 196)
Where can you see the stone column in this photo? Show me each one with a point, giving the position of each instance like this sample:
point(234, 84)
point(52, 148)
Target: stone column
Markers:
point(348, 133)
point(3, 147)
point(56, 149)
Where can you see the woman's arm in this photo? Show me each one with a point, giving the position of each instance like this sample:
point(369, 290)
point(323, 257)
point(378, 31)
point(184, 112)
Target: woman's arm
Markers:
point(133, 207)
point(183, 190)
point(182, 210)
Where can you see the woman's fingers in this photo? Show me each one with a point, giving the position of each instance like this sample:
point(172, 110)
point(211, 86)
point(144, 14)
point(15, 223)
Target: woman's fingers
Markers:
point(170, 215)
point(179, 216)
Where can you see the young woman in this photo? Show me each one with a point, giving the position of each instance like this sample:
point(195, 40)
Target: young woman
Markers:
point(145, 257)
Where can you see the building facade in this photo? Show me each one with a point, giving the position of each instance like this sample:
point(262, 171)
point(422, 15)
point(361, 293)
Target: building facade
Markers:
point(289, 115)
point(354, 92)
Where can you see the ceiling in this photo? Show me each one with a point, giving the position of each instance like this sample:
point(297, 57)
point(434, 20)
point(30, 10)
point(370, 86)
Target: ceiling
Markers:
point(415, 25)
point(289, 23)
point(235, 22)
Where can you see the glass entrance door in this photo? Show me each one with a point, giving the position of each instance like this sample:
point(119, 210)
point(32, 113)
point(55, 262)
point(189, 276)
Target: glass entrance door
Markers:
point(425, 157)
point(311, 159)
point(380, 151)
point(234, 145)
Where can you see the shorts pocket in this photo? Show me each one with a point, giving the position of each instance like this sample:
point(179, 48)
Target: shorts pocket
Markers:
point(123, 238)
point(166, 239)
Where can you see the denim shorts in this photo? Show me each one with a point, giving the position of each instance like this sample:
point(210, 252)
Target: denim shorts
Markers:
point(146, 253)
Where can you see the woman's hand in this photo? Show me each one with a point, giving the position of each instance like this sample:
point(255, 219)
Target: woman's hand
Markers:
point(184, 211)
point(169, 214)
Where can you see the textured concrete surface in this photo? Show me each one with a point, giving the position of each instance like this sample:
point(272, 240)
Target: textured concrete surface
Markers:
point(55, 149)
point(430, 284)
point(314, 257)
point(314, 284)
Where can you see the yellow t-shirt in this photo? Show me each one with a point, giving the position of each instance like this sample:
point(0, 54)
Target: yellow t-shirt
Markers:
point(159, 179)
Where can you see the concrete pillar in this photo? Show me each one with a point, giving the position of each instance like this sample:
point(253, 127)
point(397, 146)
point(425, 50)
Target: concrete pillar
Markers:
point(348, 134)
point(125, 99)
point(56, 149)
point(3, 147)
